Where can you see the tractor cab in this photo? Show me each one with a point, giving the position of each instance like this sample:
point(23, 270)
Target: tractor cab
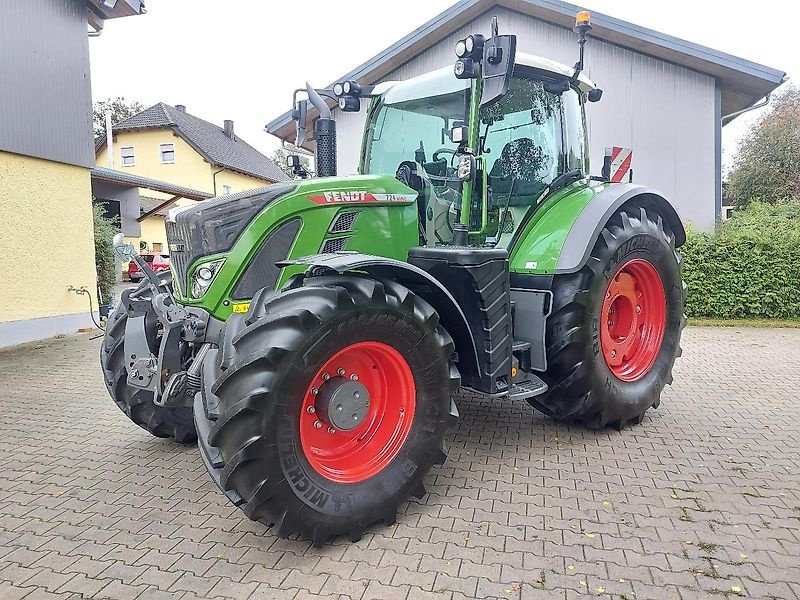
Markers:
point(526, 140)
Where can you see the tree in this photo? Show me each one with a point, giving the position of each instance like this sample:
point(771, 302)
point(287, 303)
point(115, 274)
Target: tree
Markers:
point(104, 231)
point(279, 158)
point(120, 109)
point(767, 163)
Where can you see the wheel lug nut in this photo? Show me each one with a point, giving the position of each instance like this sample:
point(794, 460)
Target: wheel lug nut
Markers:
point(311, 410)
point(341, 372)
point(317, 424)
point(402, 410)
point(638, 309)
point(315, 391)
point(339, 407)
point(325, 376)
point(353, 377)
point(613, 354)
point(331, 430)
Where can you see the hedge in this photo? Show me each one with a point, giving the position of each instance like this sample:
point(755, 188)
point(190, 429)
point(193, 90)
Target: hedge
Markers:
point(749, 268)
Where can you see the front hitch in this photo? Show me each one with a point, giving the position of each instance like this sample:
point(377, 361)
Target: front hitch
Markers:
point(167, 373)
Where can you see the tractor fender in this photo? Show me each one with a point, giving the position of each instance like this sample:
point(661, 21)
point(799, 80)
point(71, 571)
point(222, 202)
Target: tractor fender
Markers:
point(451, 317)
point(587, 227)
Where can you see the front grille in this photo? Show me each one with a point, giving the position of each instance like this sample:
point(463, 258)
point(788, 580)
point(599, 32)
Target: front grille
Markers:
point(344, 222)
point(334, 245)
point(178, 255)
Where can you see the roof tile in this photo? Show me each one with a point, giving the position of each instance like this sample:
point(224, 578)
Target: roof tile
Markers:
point(208, 139)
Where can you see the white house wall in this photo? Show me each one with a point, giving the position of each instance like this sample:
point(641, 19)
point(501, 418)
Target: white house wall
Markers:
point(664, 112)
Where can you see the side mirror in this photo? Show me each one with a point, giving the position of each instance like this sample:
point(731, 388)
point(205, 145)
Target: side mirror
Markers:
point(294, 163)
point(466, 167)
point(124, 251)
point(498, 67)
point(299, 114)
point(594, 95)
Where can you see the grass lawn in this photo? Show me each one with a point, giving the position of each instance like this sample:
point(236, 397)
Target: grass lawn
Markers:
point(766, 323)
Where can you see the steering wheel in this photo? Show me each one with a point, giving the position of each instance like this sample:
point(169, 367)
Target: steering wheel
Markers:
point(444, 151)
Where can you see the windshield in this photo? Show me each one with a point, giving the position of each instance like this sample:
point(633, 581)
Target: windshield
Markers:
point(412, 124)
point(418, 130)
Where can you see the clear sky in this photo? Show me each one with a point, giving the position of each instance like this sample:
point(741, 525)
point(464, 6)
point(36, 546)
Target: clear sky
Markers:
point(241, 59)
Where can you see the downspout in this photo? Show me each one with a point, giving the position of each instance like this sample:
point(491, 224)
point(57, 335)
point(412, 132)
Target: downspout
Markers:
point(214, 179)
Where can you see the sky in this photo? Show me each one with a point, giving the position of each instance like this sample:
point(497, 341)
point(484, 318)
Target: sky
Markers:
point(242, 59)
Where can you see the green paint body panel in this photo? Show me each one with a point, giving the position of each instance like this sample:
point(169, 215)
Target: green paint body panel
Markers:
point(539, 244)
point(382, 228)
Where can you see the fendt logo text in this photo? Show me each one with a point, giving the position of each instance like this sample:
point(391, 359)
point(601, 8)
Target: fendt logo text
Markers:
point(357, 196)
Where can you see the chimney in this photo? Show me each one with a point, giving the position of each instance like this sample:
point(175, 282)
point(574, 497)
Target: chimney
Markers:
point(180, 107)
point(229, 128)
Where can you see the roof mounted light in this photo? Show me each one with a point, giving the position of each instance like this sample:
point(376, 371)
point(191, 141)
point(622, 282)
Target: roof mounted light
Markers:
point(461, 48)
point(338, 89)
point(583, 18)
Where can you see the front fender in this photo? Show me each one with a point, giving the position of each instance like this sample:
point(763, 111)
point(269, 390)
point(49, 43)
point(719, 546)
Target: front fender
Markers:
point(451, 317)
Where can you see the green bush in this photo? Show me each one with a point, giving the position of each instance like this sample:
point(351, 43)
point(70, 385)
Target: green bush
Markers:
point(749, 268)
point(104, 231)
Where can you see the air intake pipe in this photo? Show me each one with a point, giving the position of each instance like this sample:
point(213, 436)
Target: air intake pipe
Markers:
point(324, 135)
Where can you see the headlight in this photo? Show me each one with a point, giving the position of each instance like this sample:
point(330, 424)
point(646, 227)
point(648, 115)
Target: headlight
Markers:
point(203, 277)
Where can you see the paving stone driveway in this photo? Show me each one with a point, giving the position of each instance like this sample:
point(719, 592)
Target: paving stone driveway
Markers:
point(701, 500)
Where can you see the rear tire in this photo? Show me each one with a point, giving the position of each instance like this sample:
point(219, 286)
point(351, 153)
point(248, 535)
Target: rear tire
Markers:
point(137, 404)
point(258, 416)
point(587, 386)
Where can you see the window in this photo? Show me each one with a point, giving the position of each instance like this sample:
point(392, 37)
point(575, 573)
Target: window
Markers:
point(226, 189)
point(156, 247)
point(167, 152)
point(523, 142)
point(128, 156)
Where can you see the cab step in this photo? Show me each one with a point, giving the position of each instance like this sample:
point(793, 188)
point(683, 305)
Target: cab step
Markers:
point(531, 386)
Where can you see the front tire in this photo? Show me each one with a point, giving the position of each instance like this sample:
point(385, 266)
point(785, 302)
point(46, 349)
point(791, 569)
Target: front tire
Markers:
point(137, 404)
point(275, 446)
point(615, 328)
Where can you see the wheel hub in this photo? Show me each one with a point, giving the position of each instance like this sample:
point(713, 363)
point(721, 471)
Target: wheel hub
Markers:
point(343, 403)
point(633, 320)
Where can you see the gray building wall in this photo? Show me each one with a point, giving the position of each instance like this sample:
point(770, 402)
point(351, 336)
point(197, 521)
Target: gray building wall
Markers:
point(667, 114)
point(45, 93)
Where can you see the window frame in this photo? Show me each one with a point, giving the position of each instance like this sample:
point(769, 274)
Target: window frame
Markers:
point(226, 190)
point(161, 153)
point(132, 156)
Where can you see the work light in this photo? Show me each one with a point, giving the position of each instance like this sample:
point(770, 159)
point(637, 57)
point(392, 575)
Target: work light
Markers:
point(338, 89)
point(461, 48)
point(465, 69)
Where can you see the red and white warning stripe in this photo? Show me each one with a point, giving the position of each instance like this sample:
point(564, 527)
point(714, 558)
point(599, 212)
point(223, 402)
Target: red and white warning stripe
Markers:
point(620, 163)
point(335, 197)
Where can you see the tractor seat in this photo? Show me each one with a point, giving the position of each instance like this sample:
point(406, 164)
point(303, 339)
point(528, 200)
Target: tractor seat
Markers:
point(520, 160)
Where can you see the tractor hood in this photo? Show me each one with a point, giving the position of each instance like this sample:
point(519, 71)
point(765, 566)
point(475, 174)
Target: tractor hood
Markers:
point(240, 228)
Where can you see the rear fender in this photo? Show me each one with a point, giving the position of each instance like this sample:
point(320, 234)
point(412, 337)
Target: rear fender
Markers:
point(586, 229)
point(451, 317)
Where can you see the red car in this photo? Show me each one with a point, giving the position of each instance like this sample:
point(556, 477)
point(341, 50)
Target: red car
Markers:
point(157, 262)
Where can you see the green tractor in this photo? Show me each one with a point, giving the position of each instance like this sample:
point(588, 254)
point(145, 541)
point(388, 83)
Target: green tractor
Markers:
point(312, 334)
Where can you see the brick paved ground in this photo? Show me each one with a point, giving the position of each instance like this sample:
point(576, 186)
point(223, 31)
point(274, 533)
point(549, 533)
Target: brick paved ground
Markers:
point(701, 500)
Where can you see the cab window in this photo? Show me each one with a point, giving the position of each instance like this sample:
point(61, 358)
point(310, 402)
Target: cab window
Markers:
point(522, 143)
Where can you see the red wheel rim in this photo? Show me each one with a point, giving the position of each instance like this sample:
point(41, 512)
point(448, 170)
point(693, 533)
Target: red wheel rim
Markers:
point(633, 320)
point(350, 456)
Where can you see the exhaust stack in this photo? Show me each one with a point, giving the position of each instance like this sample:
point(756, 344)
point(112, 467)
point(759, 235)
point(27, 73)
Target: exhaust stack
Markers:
point(324, 135)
